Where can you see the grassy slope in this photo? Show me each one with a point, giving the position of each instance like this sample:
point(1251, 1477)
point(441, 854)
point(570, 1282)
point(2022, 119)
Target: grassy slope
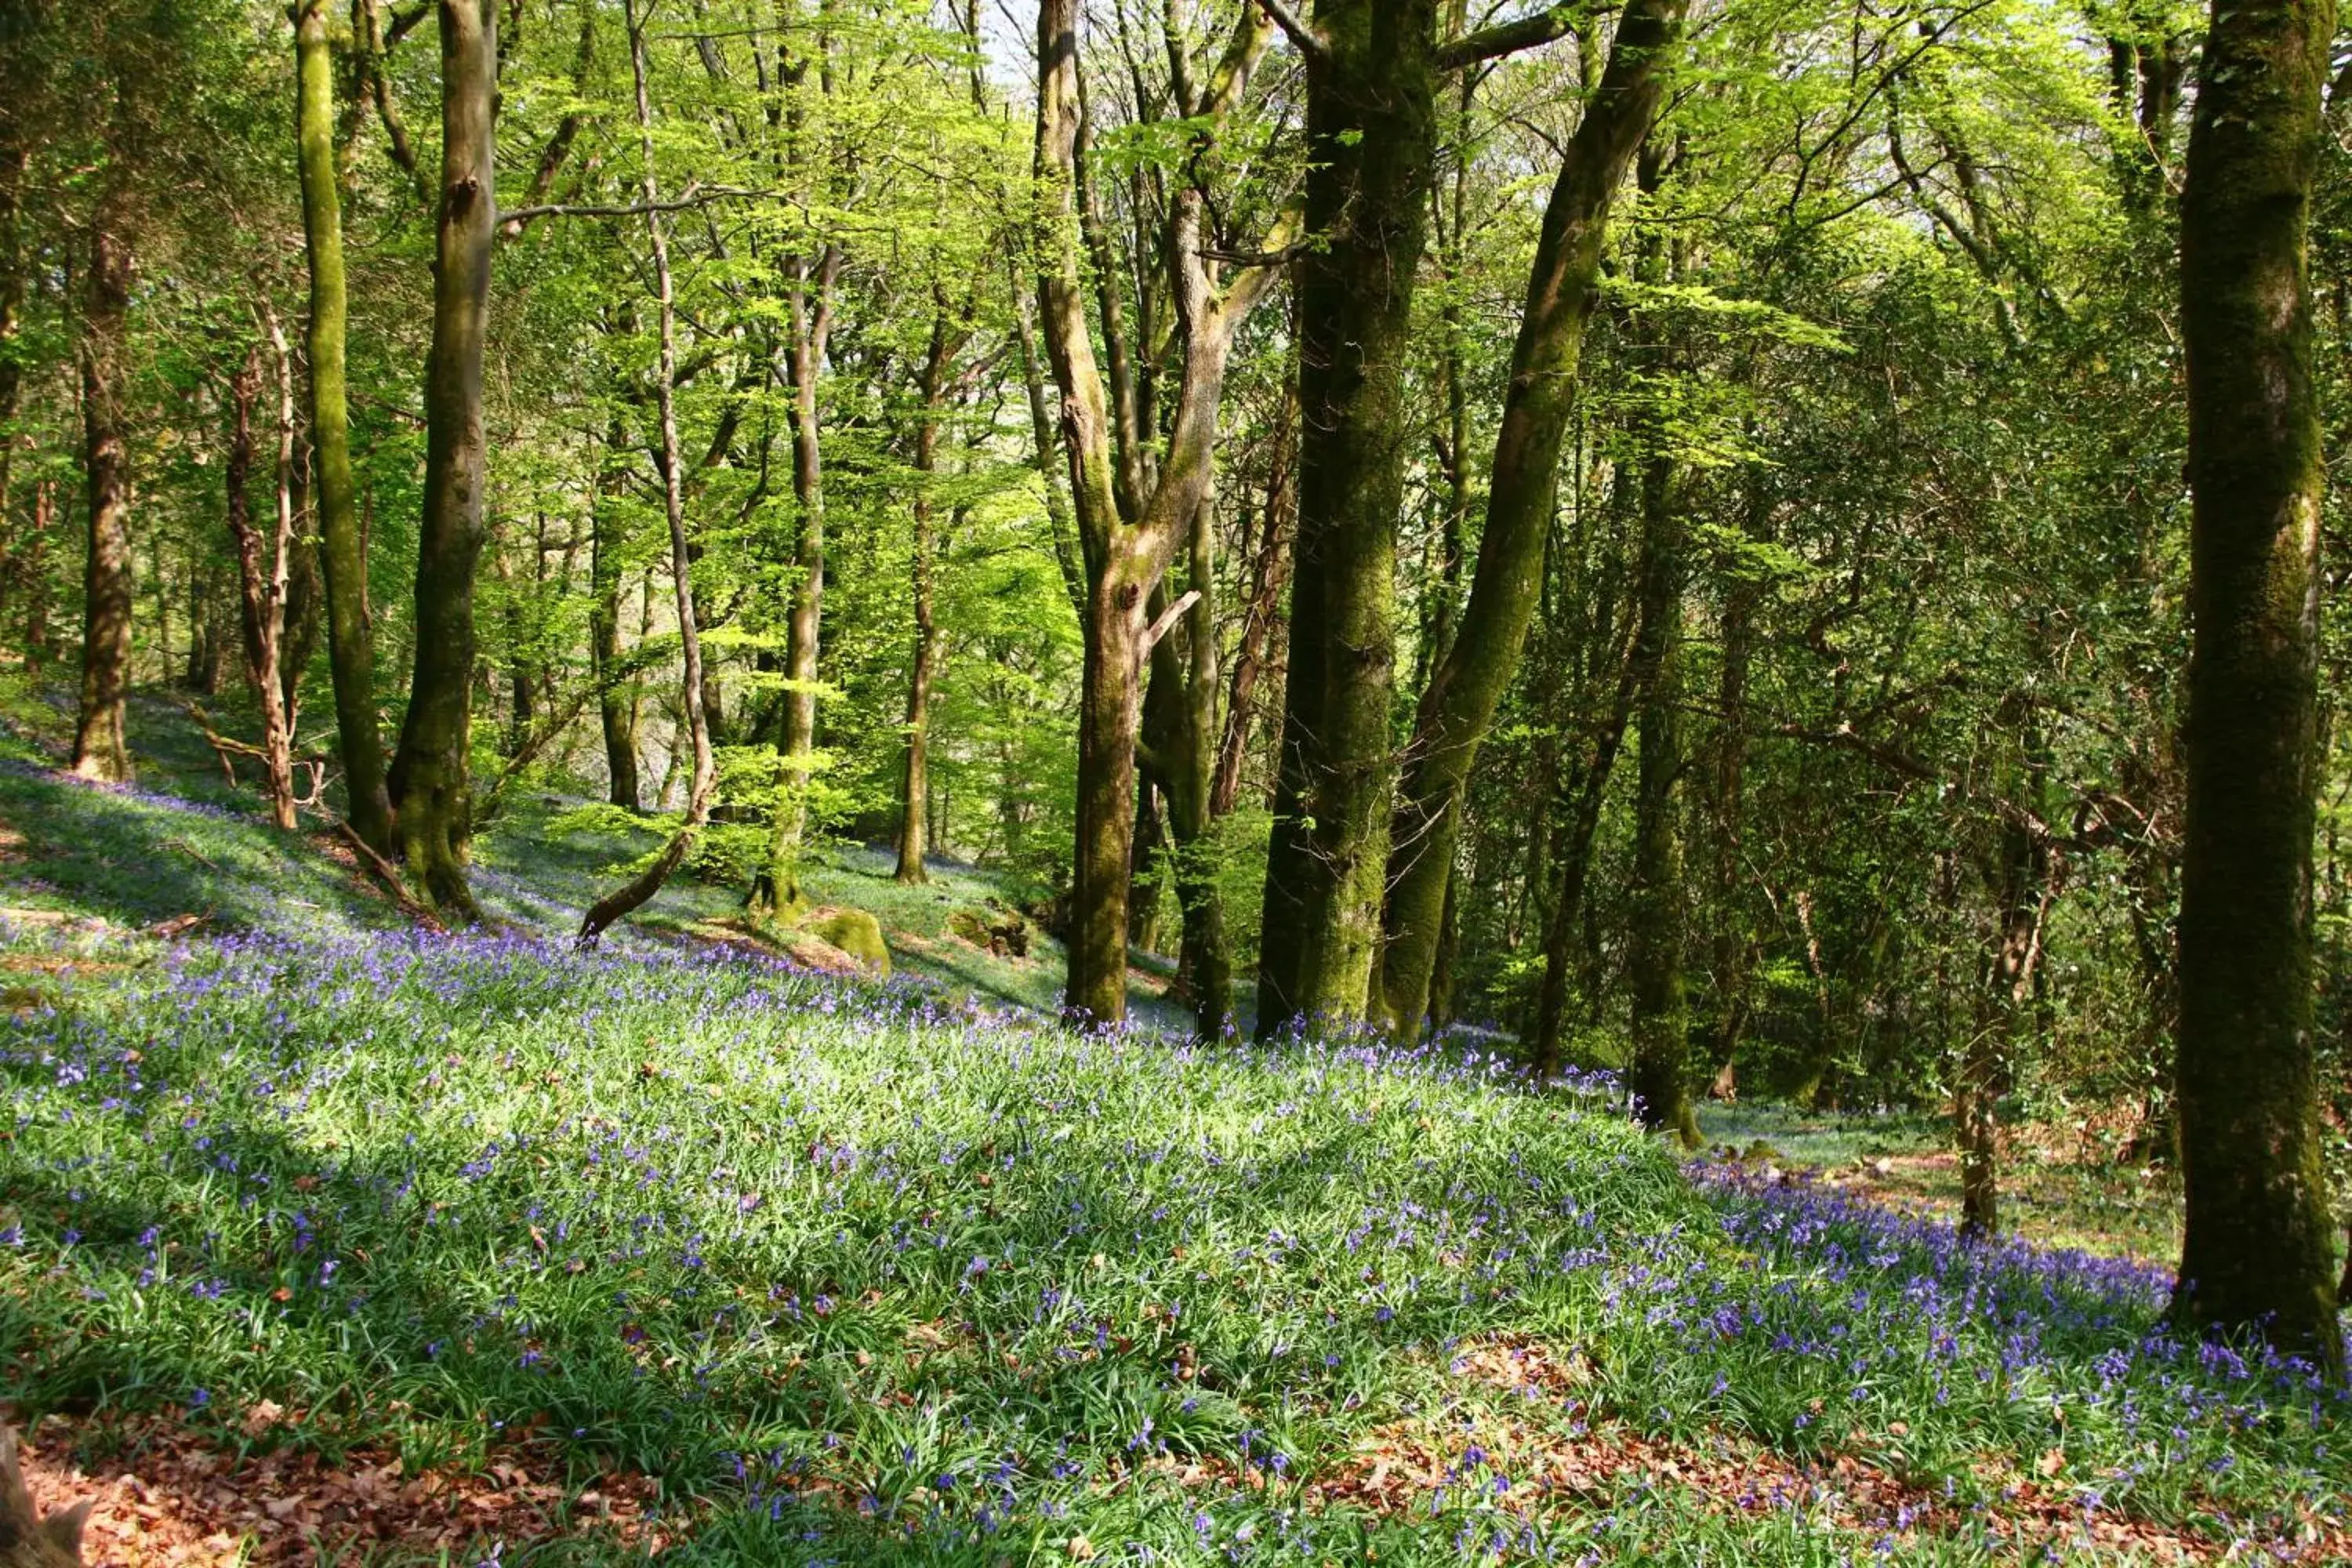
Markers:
point(867, 1273)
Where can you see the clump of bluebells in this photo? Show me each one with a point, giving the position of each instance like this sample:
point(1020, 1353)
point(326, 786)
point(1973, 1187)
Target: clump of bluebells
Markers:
point(884, 1279)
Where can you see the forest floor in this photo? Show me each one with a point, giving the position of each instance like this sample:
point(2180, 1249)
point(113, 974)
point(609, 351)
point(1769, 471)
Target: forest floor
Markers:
point(322, 1240)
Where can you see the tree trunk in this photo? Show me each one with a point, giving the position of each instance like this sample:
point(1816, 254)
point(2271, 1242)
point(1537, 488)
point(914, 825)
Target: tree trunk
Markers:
point(2255, 1247)
point(1268, 576)
point(262, 573)
point(2017, 879)
point(704, 782)
point(776, 891)
point(15, 160)
point(616, 696)
point(1126, 552)
point(1484, 657)
point(1660, 1077)
point(1188, 754)
point(1110, 708)
point(101, 750)
point(1372, 135)
point(429, 783)
point(915, 785)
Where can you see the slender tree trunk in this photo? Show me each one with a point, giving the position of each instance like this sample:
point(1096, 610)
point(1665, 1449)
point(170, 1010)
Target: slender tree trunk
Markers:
point(776, 891)
point(1189, 761)
point(616, 696)
point(15, 160)
point(1660, 1078)
point(2007, 982)
point(1460, 702)
point(1733, 955)
point(1068, 553)
point(2255, 1248)
point(915, 785)
point(35, 579)
point(428, 782)
point(101, 750)
point(1269, 576)
point(1572, 864)
point(263, 580)
point(704, 780)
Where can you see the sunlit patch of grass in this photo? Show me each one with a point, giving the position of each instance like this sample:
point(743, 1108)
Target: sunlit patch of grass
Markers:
point(938, 1285)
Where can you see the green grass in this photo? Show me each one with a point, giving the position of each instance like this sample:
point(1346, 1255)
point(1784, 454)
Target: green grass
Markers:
point(890, 1274)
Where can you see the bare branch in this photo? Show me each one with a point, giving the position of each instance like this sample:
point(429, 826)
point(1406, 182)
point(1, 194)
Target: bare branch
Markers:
point(1303, 37)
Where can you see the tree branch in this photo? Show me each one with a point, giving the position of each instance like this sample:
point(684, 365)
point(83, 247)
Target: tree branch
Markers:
point(1507, 37)
point(1303, 37)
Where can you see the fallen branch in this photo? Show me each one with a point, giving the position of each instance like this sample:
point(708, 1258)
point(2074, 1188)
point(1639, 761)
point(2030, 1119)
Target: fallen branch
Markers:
point(388, 875)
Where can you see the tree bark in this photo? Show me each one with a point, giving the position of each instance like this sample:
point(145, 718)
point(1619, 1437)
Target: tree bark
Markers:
point(1372, 135)
point(2255, 1248)
point(915, 783)
point(704, 780)
point(350, 642)
point(776, 891)
point(616, 697)
point(1660, 1077)
point(1484, 657)
point(429, 783)
point(1124, 555)
point(101, 750)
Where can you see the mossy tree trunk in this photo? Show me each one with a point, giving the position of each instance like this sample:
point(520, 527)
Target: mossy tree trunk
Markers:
point(101, 750)
point(2255, 1247)
point(1371, 127)
point(1483, 658)
point(1660, 1075)
point(1126, 544)
point(430, 790)
point(350, 642)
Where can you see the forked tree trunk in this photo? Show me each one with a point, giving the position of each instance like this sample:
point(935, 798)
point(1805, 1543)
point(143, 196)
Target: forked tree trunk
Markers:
point(2255, 1245)
point(429, 783)
point(101, 750)
point(1125, 553)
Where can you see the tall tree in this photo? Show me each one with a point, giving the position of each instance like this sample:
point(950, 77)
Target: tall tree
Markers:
point(1127, 540)
point(429, 786)
point(914, 783)
point(350, 641)
point(101, 750)
point(1374, 70)
point(1483, 657)
point(2255, 1244)
point(703, 783)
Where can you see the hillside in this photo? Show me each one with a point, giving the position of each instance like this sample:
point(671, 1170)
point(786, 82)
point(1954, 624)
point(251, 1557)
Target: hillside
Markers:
point(353, 1244)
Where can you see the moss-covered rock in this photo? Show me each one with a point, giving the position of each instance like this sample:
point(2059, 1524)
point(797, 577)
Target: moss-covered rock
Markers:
point(853, 932)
